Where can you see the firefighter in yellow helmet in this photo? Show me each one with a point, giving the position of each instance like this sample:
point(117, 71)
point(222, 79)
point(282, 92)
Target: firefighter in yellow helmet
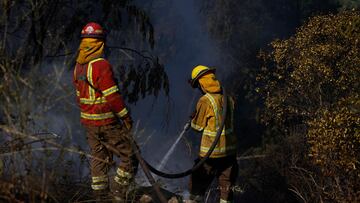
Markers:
point(206, 119)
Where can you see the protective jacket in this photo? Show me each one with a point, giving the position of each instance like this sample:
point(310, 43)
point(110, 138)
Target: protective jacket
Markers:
point(97, 93)
point(208, 117)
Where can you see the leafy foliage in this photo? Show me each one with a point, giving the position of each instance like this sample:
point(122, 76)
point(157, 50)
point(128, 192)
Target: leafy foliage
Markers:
point(38, 32)
point(289, 84)
point(241, 29)
point(312, 79)
point(335, 138)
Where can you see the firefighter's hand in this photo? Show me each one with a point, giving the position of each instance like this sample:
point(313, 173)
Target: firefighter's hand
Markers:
point(127, 122)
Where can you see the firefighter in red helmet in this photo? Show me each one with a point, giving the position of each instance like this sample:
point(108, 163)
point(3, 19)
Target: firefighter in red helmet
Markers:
point(101, 109)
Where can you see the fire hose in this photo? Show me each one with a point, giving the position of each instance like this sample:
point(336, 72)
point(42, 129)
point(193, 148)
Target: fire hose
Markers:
point(203, 159)
point(143, 165)
point(147, 167)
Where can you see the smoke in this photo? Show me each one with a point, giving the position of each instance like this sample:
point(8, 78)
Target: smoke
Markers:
point(182, 42)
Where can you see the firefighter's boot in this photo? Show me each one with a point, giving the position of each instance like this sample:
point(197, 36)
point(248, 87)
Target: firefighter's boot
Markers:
point(100, 186)
point(122, 183)
point(119, 193)
point(102, 196)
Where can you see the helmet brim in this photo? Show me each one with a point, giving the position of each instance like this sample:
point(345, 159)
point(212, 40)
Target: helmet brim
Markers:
point(93, 36)
point(194, 82)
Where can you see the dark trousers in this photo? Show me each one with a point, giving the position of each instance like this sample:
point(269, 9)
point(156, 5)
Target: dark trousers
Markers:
point(117, 136)
point(224, 169)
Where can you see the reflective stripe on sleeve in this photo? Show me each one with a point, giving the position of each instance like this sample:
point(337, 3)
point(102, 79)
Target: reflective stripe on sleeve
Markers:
point(122, 113)
point(110, 90)
point(196, 127)
point(100, 116)
point(213, 134)
point(77, 93)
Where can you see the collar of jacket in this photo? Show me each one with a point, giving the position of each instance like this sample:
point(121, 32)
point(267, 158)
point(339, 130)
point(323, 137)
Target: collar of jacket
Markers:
point(209, 84)
point(90, 49)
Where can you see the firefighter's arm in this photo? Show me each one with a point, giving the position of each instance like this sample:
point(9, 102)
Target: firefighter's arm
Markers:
point(112, 95)
point(199, 117)
point(127, 121)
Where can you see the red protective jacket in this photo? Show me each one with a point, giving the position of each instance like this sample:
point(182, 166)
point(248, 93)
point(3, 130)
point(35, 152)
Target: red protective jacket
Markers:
point(97, 94)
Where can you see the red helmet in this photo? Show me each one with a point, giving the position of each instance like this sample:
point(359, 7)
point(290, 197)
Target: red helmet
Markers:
point(92, 30)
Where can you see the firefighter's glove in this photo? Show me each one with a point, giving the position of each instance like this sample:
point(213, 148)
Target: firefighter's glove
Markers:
point(127, 122)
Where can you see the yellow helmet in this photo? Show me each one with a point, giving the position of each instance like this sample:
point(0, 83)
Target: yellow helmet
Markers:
point(197, 72)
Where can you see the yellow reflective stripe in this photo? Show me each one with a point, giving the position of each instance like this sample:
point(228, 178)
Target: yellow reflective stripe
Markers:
point(77, 93)
point(217, 149)
point(213, 134)
point(110, 90)
point(122, 113)
point(196, 127)
point(90, 78)
point(121, 181)
point(123, 174)
point(95, 60)
point(99, 186)
point(99, 100)
point(217, 121)
point(209, 133)
point(122, 177)
point(225, 201)
point(100, 116)
point(213, 104)
point(97, 179)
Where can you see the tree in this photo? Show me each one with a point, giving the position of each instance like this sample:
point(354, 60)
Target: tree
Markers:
point(241, 29)
point(312, 80)
point(38, 45)
point(34, 32)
